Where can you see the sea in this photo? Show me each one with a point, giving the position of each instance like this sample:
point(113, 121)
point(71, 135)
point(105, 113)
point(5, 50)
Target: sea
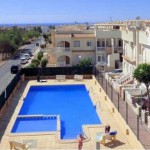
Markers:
point(39, 24)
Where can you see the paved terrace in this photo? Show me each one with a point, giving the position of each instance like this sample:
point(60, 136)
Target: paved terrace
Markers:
point(108, 114)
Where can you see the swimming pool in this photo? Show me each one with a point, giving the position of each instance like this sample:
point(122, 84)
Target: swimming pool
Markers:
point(35, 124)
point(71, 102)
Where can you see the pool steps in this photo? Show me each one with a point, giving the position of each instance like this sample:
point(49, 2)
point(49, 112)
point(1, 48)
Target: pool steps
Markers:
point(39, 116)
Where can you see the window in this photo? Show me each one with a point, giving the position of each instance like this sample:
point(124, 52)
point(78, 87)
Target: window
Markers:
point(98, 44)
point(101, 58)
point(76, 43)
point(103, 43)
point(120, 43)
point(89, 43)
point(108, 43)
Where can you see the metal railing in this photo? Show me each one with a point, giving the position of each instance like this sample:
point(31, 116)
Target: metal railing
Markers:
point(134, 120)
point(101, 49)
point(61, 49)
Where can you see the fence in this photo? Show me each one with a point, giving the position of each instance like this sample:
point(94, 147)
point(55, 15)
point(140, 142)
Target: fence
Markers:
point(6, 93)
point(50, 71)
point(42, 72)
point(132, 119)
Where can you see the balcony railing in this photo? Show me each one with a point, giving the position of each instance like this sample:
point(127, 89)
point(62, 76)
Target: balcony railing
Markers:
point(129, 59)
point(61, 49)
point(101, 49)
point(102, 63)
point(118, 49)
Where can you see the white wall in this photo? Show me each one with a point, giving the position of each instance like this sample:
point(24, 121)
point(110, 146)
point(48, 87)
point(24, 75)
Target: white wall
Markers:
point(111, 59)
point(128, 36)
point(146, 54)
point(108, 34)
point(128, 68)
point(130, 51)
point(144, 38)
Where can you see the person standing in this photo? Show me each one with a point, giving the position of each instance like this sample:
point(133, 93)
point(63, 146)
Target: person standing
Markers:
point(107, 129)
point(80, 141)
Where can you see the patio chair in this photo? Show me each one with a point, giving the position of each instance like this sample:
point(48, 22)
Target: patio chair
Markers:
point(102, 137)
point(78, 77)
point(60, 77)
point(17, 145)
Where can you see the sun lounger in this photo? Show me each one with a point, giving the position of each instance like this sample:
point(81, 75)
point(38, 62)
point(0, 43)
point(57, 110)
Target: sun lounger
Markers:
point(60, 77)
point(17, 145)
point(78, 77)
point(102, 137)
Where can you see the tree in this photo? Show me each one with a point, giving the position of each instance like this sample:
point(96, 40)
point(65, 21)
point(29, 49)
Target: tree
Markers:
point(32, 65)
point(44, 62)
point(47, 37)
point(85, 62)
point(52, 27)
point(43, 46)
point(40, 55)
point(36, 62)
point(142, 74)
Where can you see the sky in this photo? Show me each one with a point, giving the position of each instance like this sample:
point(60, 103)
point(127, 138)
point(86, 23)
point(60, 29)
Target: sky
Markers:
point(69, 11)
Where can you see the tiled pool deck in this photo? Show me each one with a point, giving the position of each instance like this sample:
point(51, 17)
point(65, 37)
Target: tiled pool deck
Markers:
point(105, 109)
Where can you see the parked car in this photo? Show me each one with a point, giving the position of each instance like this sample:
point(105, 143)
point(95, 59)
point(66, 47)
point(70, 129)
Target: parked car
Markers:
point(30, 53)
point(117, 71)
point(37, 44)
point(15, 68)
point(23, 60)
point(27, 56)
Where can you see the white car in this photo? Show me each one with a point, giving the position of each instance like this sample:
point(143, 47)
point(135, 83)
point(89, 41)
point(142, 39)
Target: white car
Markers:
point(23, 60)
point(27, 56)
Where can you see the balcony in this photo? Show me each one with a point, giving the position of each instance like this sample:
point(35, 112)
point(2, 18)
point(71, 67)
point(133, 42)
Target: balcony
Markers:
point(102, 63)
point(101, 49)
point(61, 50)
point(118, 49)
point(109, 50)
point(130, 60)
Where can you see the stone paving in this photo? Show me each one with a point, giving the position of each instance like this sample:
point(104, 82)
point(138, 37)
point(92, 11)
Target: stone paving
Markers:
point(108, 114)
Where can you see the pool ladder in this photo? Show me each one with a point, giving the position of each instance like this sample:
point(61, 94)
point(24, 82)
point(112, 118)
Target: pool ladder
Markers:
point(38, 116)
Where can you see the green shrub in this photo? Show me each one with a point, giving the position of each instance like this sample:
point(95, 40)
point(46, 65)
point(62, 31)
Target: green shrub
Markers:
point(43, 45)
point(40, 55)
point(44, 62)
point(32, 65)
point(85, 62)
point(36, 62)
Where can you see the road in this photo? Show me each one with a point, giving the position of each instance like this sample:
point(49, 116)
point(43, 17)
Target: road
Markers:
point(5, 74)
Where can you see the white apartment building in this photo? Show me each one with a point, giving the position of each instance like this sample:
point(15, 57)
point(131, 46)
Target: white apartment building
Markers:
point(108, 45)
point(136, 44)
point(102, 44)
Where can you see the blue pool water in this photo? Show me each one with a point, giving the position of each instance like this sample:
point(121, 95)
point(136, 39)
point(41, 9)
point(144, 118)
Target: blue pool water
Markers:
point(34, 125)
point(71, 102)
